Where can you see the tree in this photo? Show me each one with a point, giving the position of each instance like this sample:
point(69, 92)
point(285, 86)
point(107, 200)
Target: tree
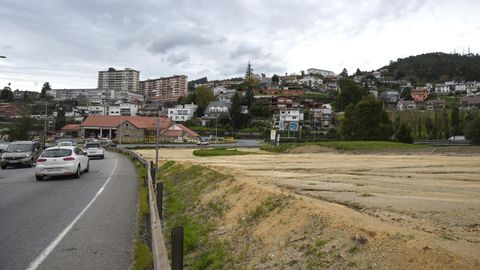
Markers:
point(455, 121)
point(60, 120)
point(344, 73)
point(404, 133)
point(82, 100)
point(239, 120)
point(350, 93)
point(406, 93)
point(358, 72)
point(7, 94)
point(19, 129)
point(203, 95)
point(472, 131)
point(275, 79)
point(249, 98)
point(367, 120)
point(249, 71)
point(46, 87)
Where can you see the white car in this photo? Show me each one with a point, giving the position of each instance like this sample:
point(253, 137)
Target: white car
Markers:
point(65, 143)
point(61, 160)
point(94, 150)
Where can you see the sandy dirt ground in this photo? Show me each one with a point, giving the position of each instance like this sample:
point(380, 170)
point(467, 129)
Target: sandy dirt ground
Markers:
point(433, 199)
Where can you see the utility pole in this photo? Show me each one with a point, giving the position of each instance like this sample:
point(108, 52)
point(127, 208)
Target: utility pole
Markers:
point(45, 126)
point(156, 146)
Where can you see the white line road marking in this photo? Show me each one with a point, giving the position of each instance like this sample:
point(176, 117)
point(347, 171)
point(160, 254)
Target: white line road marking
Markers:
point(36, 263)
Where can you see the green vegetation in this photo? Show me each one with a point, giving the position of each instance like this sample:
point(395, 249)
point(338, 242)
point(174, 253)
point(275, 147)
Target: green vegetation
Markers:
point(184, 186)
point(267, 206)
point(219, 152)
point(367, 120)
point(436, 67)
point(345, 146)
point(472, 131)
point(350, 94)
point(143, 254)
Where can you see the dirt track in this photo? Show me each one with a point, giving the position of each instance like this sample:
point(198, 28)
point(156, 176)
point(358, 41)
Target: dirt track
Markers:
point(433, 198)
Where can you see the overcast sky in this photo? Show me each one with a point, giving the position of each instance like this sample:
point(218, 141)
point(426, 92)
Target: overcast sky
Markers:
point(66, 42)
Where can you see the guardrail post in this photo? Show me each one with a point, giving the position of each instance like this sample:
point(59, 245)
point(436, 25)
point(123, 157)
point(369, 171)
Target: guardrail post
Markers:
point(152, 170)
point(177, 248)
point(160, 199)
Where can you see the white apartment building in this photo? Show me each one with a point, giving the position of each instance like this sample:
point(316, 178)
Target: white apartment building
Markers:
point(324, 73)
point(182, 113)
point(164, 89)
point(288, 119)
point(123, 108)
point(115, 84)
point(68, 94)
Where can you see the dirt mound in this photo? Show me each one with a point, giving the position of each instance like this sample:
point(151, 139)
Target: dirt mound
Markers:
point(310, 149)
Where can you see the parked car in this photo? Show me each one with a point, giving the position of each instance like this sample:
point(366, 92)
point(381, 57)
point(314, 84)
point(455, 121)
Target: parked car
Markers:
point(21, 153)
point(3, 148)
point(94, 149)
point(61, 160)
point(65, 143)
point(203, 141)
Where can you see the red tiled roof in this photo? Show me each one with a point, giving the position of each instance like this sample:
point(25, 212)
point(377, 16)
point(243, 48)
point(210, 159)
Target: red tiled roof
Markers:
point(72, 127)
point(140, 122)
point(177, 130)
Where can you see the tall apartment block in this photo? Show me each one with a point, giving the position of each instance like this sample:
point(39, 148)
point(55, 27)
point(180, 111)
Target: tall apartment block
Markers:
point(115, 84)
point(164, 89)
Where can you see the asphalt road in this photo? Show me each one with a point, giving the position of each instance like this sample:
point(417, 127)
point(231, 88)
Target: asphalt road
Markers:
point(239, 143)
point(66, 223)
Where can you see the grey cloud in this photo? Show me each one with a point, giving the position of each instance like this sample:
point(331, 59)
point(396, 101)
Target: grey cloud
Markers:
point(167, 42)
point(248, 50)
point(177, 58)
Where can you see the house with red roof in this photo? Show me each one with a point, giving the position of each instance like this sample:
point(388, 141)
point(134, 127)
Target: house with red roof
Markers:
point(123, 128)
point(178, 133)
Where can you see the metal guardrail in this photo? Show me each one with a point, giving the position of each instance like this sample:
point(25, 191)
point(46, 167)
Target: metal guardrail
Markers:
point(159, 251)
point(443, 142)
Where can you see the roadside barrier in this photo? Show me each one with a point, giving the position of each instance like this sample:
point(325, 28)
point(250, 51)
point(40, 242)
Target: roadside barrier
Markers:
point(159, 251)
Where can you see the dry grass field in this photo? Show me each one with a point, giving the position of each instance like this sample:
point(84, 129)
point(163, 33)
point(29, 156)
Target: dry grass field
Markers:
point(419, 210)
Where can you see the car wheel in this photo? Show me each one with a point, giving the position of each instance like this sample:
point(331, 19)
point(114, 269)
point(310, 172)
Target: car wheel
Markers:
point(88, 167)
point(102, 157)
point(77, 173)
point(39, 177)
point(3, 167)
point(30, 164)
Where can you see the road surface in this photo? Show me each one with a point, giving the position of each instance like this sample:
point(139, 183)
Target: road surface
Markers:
point(66, 223)
point(242, 143)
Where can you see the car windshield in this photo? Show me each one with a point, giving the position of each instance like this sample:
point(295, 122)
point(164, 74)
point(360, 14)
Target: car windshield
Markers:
point(92, 145)
point(52, 153)
point(19, 148)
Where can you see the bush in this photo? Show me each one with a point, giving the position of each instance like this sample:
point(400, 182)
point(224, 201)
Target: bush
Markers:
point(404, 134)
point(472, 131)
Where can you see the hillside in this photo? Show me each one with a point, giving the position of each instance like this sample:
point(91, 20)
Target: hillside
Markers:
point(435, 67)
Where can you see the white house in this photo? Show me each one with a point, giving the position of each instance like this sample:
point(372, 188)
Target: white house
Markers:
point(311, 81)
point(123, 108)
point(182, 113)
point(216, 109)
point(288, 119)
point(442, 88)
point(406, 105)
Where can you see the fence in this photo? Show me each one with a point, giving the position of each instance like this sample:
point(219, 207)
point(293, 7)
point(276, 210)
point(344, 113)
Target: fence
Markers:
point(159, 251)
